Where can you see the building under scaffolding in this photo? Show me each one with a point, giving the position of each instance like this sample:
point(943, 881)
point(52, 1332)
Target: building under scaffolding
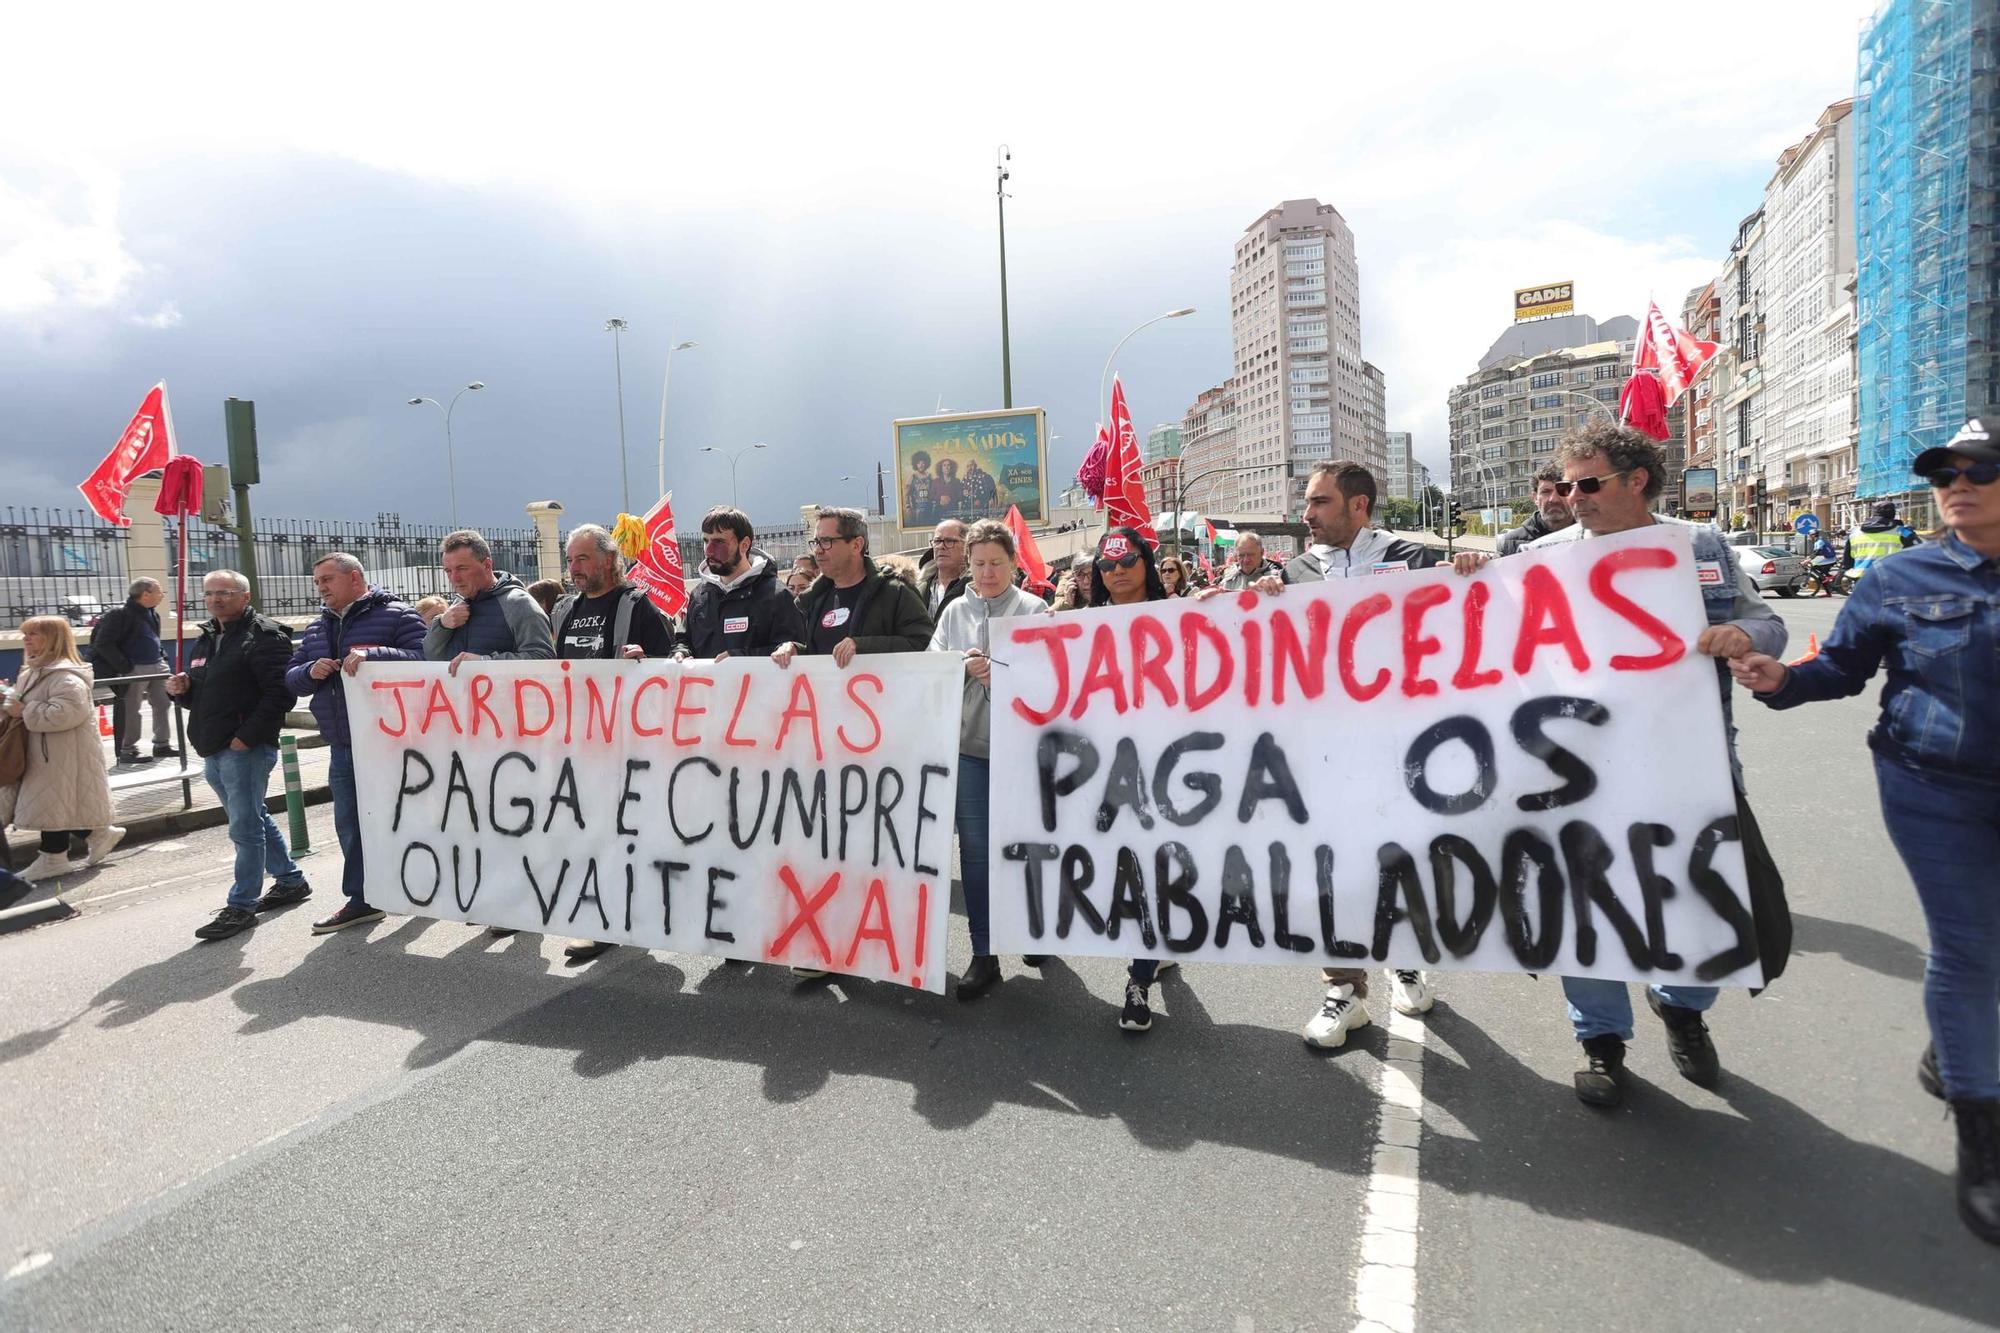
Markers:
point(1926, 267)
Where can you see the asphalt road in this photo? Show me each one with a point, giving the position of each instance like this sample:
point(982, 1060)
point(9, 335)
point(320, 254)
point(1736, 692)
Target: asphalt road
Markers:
point(424, 1126)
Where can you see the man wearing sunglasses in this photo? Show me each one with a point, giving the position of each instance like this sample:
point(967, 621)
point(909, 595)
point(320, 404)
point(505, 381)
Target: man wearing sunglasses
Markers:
point(1931, 617)
point(854, 608)
point(1611, 476)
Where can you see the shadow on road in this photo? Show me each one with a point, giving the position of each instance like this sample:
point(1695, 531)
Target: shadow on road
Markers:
point(199, 972)
point(1864, 946)
point(1770, 1191)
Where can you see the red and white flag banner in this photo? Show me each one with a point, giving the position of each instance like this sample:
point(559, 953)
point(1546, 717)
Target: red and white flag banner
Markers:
point(1675, 353)
point(658, 568)
point(145, 446)
point(1124, 494)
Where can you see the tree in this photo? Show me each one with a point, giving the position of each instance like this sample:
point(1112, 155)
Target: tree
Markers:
point(1397, 513)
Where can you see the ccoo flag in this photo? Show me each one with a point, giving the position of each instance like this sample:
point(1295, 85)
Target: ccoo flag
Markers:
point(1677, 354)
point(145, 446)
point(658, 568)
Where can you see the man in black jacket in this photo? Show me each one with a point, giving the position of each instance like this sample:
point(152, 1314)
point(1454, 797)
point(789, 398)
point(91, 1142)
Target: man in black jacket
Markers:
point(1552, 514)
point(235, 694)
point(943, 576)
point(738, 605)
point(126, 642)
point(854, 608)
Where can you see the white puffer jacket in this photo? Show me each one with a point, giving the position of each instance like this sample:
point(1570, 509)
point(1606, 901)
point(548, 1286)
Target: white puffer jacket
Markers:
point(64, 786)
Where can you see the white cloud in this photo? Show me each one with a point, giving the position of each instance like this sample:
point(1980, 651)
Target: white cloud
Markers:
point(60, 243)
point(168, 316)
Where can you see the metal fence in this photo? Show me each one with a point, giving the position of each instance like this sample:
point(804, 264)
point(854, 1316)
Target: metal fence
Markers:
point(74, 564)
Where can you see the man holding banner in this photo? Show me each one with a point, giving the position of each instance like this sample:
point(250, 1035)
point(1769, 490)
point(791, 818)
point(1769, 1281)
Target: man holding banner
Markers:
point(738, 605)
point(1611, 476)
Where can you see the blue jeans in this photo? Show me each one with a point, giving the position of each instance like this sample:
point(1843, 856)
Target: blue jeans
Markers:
point(975, 785)
point(1947, 831)
point(239, 778)
point(1604, 1008)
point(346, 822)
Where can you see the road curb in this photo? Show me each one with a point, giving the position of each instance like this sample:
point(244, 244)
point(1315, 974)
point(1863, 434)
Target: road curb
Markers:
point(35, 914)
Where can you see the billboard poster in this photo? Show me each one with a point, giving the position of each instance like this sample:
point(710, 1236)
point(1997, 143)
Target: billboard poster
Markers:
point(1698, 491)
point(972, 465)
point(1551, 298)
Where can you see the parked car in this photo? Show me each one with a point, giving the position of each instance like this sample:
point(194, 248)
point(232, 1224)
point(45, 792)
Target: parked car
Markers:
point(1772, 569)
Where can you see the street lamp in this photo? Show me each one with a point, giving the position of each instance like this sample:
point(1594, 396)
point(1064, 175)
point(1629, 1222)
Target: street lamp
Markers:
point(1104, 380)
point(666, 379)
point(615, 327)
point(1183, 484)
point(734, 456)
point(450, 470)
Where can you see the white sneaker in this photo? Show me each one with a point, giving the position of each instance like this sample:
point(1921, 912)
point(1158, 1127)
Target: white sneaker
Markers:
point(1338, 1015)
point(1409, 993)
point(47, 866)
point(1166, 965)
point(102, 841)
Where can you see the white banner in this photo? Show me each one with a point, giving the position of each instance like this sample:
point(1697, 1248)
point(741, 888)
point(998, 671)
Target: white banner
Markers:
point(798, 816)
point(1524, 771)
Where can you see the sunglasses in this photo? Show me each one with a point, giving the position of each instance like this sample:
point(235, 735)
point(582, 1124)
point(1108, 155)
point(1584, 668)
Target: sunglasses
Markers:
point(1587, 485)
point(1979, 474)
point(1106, 566)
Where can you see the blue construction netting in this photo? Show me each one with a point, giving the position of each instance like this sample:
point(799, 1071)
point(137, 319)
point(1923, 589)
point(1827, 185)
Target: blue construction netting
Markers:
point(1912, 121)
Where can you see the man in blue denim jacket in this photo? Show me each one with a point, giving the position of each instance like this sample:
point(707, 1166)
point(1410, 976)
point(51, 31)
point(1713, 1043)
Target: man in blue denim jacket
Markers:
point(1931, 614)
point(1611, 476)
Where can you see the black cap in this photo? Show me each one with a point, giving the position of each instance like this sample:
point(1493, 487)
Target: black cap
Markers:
point(1978, 440)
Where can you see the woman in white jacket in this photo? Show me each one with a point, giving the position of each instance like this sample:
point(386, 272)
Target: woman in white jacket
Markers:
point(964, 628)
point(64, 788)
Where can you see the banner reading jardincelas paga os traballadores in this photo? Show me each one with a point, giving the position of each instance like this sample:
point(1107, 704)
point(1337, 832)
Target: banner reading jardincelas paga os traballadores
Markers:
point(1524, 771)
point(800, 815)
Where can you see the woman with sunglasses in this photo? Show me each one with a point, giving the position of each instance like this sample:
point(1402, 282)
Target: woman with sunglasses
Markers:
point(1122, 574)
point(1931, 616)
point(1173, 576)
point(966, 628)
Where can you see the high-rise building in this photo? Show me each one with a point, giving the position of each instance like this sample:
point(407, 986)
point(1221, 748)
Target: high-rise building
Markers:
point(1375, 419)
point(1738, 378)
point(1808, 459)
point(1927, 252)
point(1701, 315)
point(1295, 322)
point(1163, 441)
point(1508, 416)
point(1209, 453)
point(1399, 476)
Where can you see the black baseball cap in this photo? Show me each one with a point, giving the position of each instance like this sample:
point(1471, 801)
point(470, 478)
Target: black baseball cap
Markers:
point(1978, 439)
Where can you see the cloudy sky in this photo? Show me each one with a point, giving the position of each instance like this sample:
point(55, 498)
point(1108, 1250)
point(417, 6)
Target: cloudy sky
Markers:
point(333, 212)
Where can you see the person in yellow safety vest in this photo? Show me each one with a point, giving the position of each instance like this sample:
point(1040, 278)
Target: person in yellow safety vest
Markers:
point(1882, 535)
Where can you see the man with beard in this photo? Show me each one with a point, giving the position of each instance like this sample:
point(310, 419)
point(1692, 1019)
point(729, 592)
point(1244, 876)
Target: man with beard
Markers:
point(738, 606)
point(1552, 513)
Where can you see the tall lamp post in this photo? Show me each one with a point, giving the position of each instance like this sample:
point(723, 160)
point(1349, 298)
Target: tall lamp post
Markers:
point(666, 379)
point(450, 469)
point(1104, 380)
point(1006, 354)
point(734, 456)
point(1183, 484)
point(616, 327)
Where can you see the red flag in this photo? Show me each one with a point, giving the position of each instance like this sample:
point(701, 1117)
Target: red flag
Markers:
point(1029, 555)
point(1641, 408)
point(658, 568)
point(1090, 475)
point(1124, 494)
point(1677, 354)
point(146, 445)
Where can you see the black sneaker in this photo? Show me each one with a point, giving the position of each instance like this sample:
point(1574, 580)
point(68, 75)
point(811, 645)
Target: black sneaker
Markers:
point(1137, 1015)
point(350, 914)
point(133, 757)
point(1602, 1081)
point(1035, 959)
point(165, 752)
point(982, 976)
point(284, 895)
point(582, 951)
point(229, 921)
point(1688, 1042)
point(1979, 1167)
point(1928, 1077)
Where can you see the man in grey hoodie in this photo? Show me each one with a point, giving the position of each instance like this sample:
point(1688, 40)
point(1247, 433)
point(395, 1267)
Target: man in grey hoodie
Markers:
point(494, 617)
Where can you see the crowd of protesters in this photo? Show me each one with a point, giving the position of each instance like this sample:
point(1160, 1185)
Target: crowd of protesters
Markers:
point(1929, 617)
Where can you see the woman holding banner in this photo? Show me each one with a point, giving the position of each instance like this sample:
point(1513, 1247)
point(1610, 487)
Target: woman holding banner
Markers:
point(1931, 616)
point(964, 628)
point(1125, 572)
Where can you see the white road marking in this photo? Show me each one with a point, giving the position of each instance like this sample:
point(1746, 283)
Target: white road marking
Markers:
point(1385, 1296)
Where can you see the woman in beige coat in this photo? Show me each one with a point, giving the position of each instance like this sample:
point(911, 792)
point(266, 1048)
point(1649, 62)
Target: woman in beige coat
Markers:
point(64, 789)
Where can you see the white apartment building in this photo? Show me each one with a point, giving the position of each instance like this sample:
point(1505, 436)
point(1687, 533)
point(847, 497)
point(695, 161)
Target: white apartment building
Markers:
point(1375, 419)
point(1399, 475)
point(1809, 436)
point(1209, 449)
point(1295, 322)
point(1508, 417)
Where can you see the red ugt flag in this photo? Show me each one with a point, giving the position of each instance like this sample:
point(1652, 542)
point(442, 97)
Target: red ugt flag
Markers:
point(1124, 494)
point(146, 445)
point(658, 568)
point(1677, 354)
point(1036, 568)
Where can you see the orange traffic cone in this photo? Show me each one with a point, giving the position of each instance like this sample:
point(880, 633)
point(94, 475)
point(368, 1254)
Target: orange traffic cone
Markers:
point(1812, 650)
point(104, 721)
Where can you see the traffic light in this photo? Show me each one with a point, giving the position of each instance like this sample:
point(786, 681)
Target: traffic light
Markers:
point(1457, 522)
